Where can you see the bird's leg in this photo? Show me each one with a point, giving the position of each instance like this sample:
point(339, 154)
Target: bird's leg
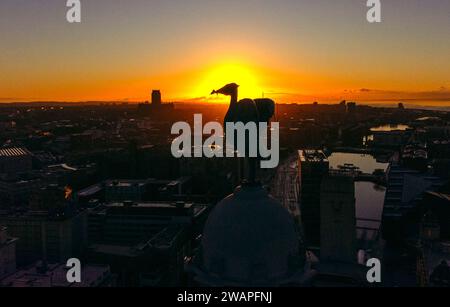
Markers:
point(252, 170)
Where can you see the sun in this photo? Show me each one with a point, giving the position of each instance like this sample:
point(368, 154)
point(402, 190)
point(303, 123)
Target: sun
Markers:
point(216, 76)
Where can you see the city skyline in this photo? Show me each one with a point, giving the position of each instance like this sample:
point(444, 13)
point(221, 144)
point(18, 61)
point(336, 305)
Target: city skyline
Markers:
point(294, 51)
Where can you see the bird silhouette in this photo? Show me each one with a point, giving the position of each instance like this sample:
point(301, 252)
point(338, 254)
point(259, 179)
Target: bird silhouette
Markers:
point(246, 110)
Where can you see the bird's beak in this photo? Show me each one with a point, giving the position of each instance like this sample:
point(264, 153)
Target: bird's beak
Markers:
point(220, 91)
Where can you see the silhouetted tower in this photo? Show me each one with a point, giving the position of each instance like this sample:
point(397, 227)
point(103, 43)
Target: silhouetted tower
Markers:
point(156, 98)
point(313, 166)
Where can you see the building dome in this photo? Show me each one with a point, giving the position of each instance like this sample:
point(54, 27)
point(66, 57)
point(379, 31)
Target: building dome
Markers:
point(250, 240)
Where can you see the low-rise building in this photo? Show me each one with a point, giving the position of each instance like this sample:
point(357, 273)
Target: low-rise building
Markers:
point(41, 275)
point(43, 235)
point(15, 160)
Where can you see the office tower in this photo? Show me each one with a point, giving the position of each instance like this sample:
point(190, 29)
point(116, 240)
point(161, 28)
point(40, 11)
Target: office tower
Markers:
point(313, 166)
point(156, 98)
point(338, 220)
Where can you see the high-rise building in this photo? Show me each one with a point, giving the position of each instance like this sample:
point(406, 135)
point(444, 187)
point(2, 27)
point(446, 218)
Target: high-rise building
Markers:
point(156, 107)
point(7, 253)
point(156, 98)
point(313, 166)
point(338, 219)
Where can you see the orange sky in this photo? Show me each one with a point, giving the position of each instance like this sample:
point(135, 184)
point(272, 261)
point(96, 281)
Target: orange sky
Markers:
point(293, 51)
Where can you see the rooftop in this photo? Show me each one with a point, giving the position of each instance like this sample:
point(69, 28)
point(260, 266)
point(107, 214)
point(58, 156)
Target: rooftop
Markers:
point(13, 152)
point(313, 156)
point(55, 276)
point(162, 240)
point(125, 183)
point(119, 183)
point(155, 205)
point(153, 208)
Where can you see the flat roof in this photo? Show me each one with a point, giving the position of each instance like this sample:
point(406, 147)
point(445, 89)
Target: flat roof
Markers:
point(151, 205)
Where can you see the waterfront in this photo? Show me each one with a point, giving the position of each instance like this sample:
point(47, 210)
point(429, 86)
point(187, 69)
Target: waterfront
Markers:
point(367, 163)
point(388, 128)
point(369, 196)
point(369, 203)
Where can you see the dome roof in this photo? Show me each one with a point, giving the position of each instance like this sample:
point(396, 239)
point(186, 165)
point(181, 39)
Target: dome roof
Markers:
point(250, 239)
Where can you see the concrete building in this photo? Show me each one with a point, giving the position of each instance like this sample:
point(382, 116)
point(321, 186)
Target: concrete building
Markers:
point(338, 220)
point(17, 191)
point(54, 237)
point(115, 191)
point(313, 166)
point(110, 191)
point(130, 223)
point(145, 243)
point(405, 191)
point(15, 160)
point(395, 138)
point(157, 261)
point(122, 190)
point(7, 253)
point(433, 216)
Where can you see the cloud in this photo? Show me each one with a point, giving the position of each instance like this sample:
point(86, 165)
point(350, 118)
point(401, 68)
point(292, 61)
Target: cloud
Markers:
point(441, 94)
point(17, 99)
point(10, 98)
point(195, 99)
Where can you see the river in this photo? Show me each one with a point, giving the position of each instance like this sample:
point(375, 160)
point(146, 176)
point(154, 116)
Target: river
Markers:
point(369, 196)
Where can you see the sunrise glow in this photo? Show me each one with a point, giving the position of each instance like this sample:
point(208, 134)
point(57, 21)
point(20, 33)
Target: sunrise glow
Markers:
point(186, 49)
